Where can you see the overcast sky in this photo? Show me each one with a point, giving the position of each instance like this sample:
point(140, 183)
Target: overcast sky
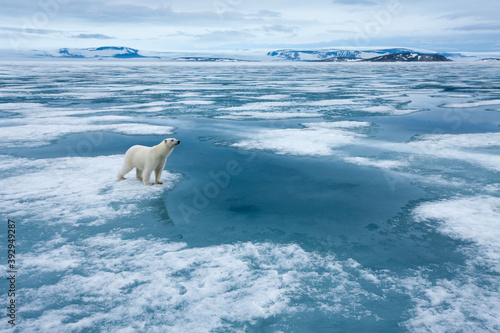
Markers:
point(170, 25)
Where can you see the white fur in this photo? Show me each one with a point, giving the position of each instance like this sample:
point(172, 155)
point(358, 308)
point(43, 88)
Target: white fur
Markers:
point(146, 159)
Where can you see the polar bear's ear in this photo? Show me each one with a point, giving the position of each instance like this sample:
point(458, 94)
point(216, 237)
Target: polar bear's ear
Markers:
point(165, 140)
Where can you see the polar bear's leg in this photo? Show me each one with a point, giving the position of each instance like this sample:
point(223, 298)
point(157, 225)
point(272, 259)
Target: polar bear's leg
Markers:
point(158, 171)
point(146, 175)
point(124, 170)
point(138, 174)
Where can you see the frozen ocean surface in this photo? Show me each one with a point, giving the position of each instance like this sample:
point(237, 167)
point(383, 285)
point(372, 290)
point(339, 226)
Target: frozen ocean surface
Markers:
point(304, 197)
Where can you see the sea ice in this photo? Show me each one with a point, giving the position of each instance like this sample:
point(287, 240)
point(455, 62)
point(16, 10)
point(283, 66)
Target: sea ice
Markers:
point(268, 115)
point(166, 286)
point(69, 190)
point(473, 104)
point(314, 139)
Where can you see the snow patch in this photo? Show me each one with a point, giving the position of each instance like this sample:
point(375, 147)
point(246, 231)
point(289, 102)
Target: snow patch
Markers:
point(273, 96)
point(315, 139)
point(388, 109)
point(263, 106)
point(195, 102)
point(383, 164)
point(459, 147)
point(134, 284)
point(469, 302)
point(269, 115)
point(475, 219)
point(74, 190)
point(475, 104)
point(468, 140)
point(459, 305)
point(39, 129)
point(273, 105)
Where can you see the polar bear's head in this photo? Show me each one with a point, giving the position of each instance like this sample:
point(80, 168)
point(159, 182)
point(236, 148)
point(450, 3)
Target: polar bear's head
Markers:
point(171, 142)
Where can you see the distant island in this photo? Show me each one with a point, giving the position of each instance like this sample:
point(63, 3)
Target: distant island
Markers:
point(122, 52)
point(346, 54)
point(408, 57)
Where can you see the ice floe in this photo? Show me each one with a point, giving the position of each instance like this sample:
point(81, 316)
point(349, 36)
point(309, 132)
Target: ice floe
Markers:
point(388, 109)
point(273, 96)
point(459, 147)
point(314, 139)
point(475, 219)
point(269, 115)
point(39, 131)
point(466, 304)
point(467, 140)
point(383, 164)
point(471, 301)
point(262, 106)
point(274, 105)
point(73, 190)
point(475, 104)
point(195, 102)
point(157, 285)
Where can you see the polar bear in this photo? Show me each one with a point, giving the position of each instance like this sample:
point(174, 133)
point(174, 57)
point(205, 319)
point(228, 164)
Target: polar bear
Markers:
point(146, 159)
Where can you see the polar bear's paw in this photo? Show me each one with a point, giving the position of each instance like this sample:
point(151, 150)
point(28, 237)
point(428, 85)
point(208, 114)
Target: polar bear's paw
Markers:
point(159, 182)
point(120, 177)
point(148, 183)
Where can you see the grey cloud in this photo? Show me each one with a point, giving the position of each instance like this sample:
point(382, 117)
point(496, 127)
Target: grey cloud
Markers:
point(46, 32)
point(100, 11)
point(30, 31)
point(479, 27)
point(223, 36)
point(105, 12)
point(265, 14)
point(243, 22)
point(279, 28)
point(341, 31)
point(92, 36)
point(357, 2)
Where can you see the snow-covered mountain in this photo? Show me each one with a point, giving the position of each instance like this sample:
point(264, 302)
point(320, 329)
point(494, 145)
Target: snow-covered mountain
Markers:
point(392, 54)
point(123, 52)
point(97, 52)
point(327, 55)
point(346, 54)
point(408, 56)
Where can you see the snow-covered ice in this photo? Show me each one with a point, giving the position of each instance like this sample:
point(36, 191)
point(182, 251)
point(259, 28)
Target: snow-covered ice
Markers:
point(316, 194)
